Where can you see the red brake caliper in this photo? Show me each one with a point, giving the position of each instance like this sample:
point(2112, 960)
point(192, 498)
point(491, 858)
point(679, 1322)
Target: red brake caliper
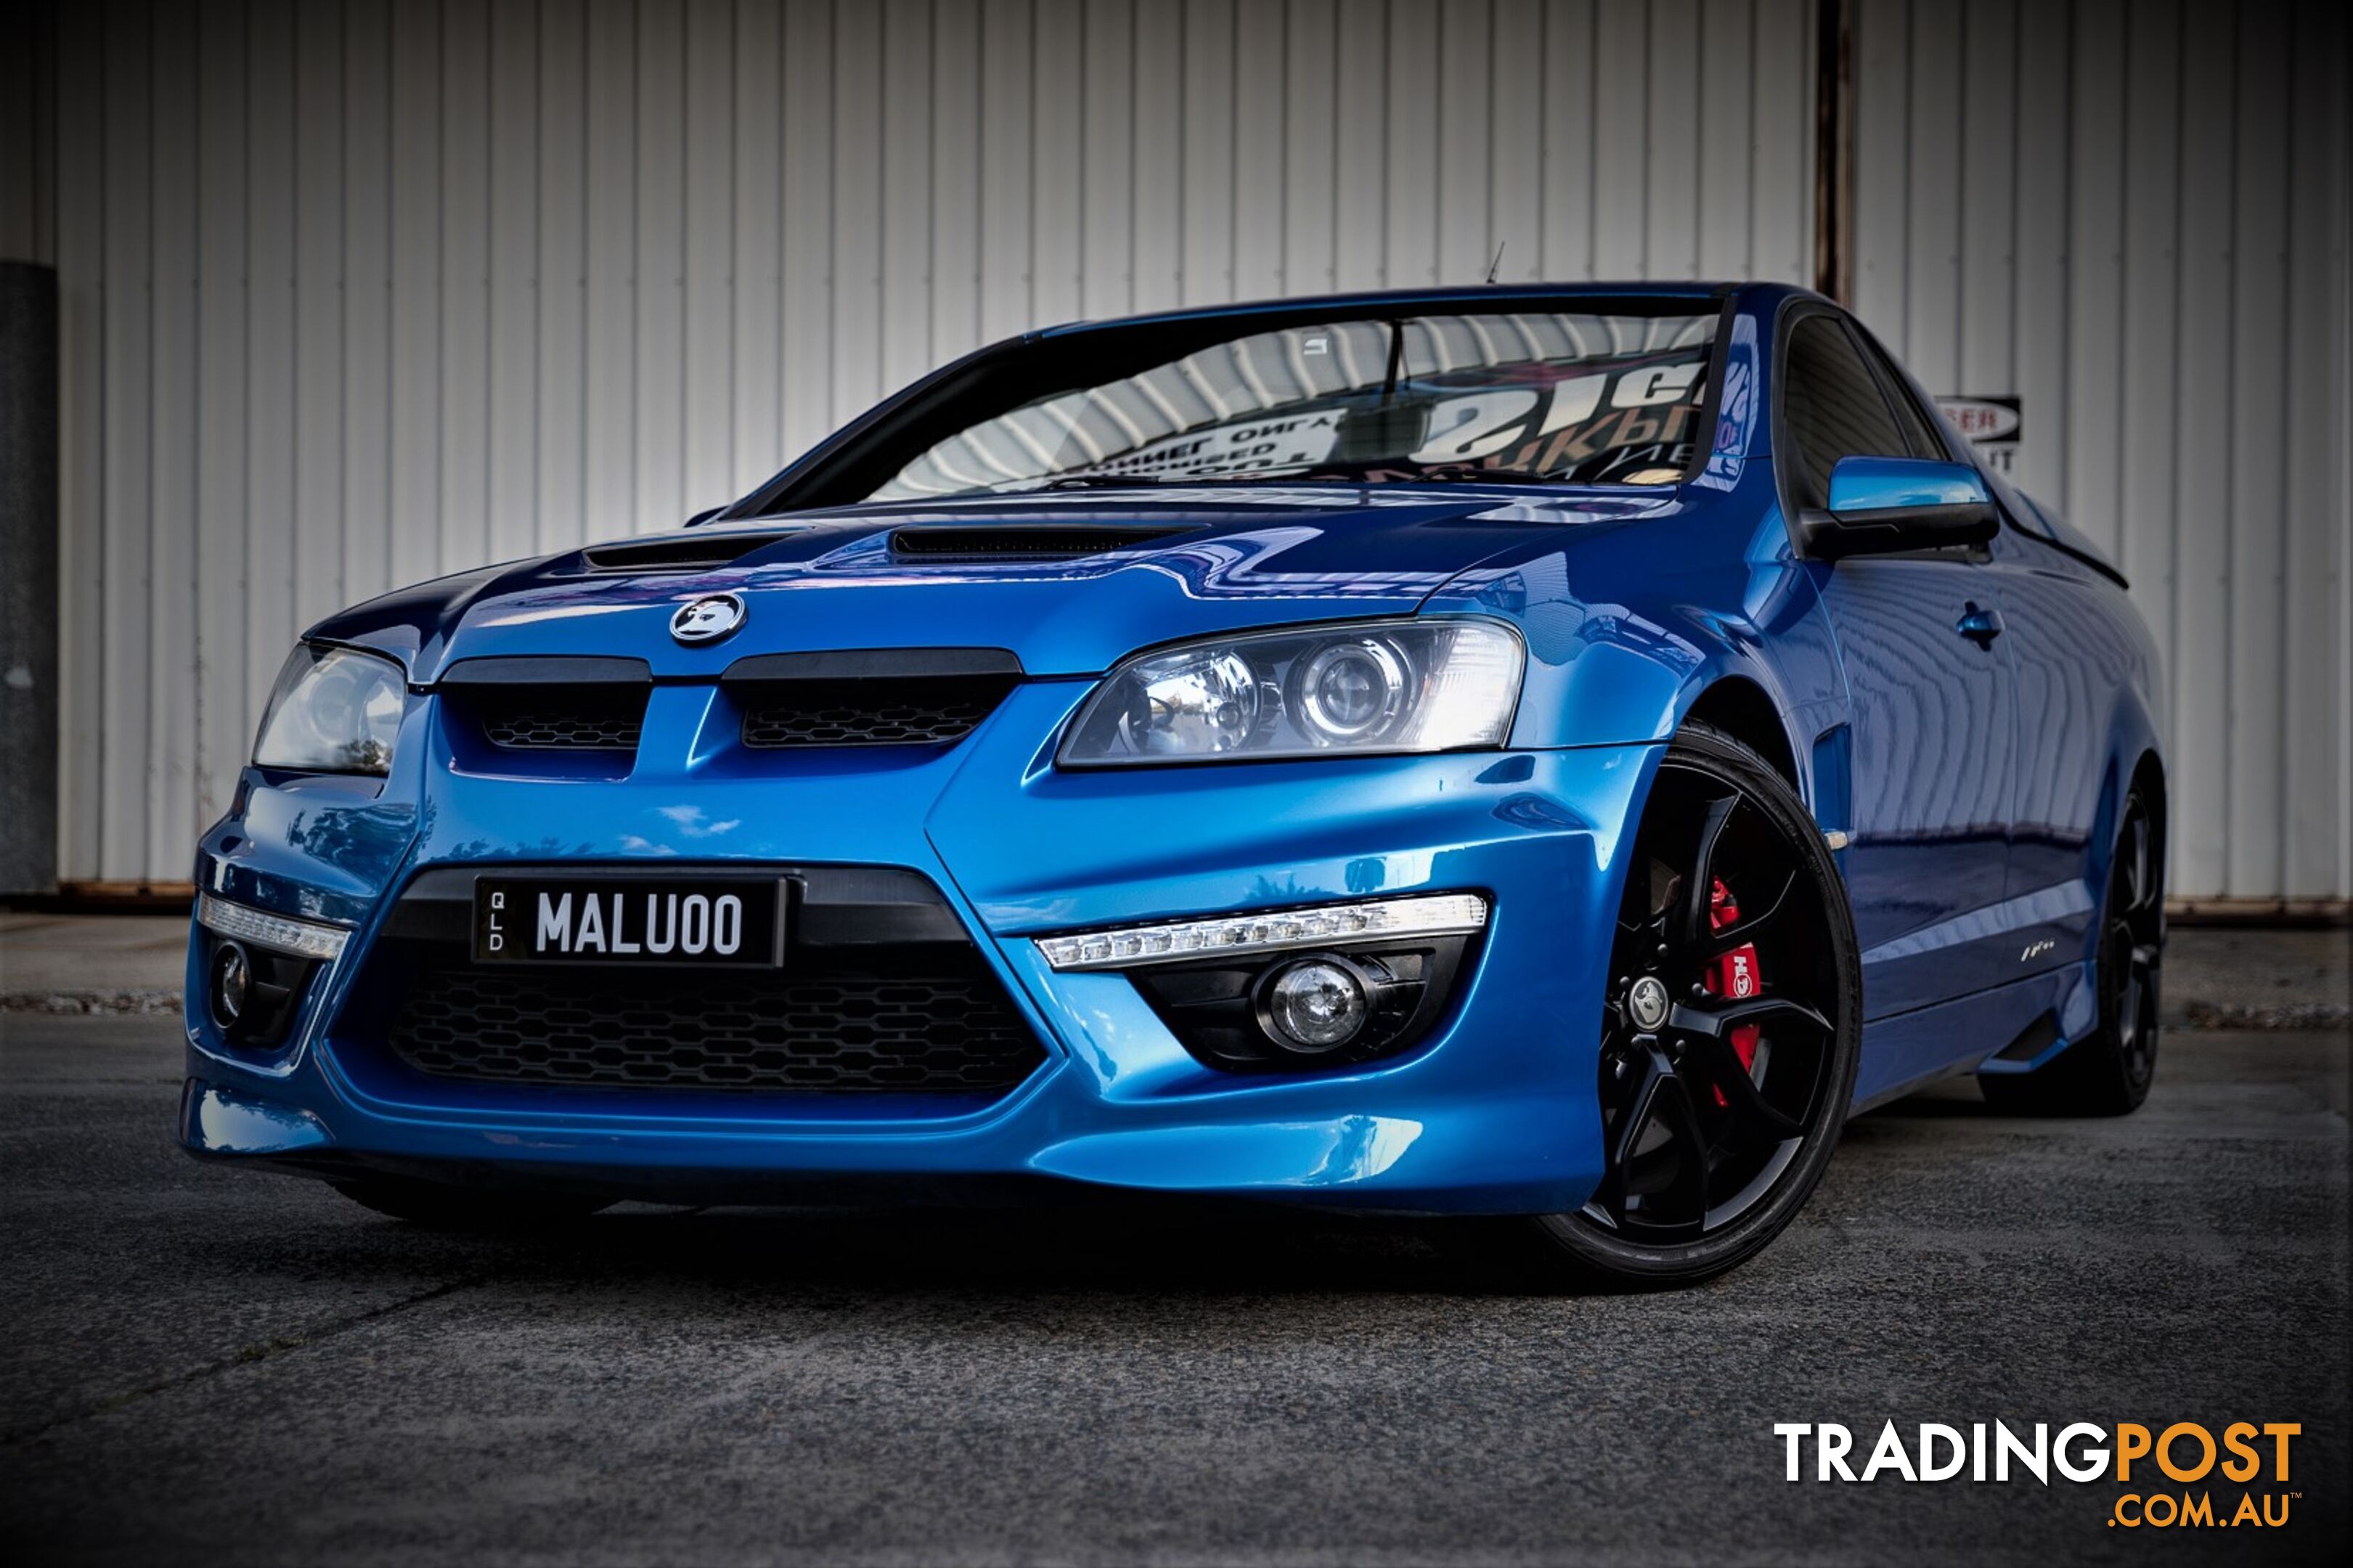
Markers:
point(1734, 975)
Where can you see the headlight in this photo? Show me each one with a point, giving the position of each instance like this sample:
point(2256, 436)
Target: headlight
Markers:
point(333, 711)
point(1373, 687)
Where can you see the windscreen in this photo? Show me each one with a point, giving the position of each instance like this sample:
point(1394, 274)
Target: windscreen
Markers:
point(1579, 397)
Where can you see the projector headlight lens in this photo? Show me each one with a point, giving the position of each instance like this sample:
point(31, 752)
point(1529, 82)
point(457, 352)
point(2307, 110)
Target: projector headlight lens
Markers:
point(1351, 691)
point(1373, 687)
point(334, 711)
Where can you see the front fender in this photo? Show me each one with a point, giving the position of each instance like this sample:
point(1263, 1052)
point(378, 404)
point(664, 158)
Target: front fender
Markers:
point(1622, 645)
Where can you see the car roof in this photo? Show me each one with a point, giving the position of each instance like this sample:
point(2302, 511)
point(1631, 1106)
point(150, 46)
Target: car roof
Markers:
point(1507, 295)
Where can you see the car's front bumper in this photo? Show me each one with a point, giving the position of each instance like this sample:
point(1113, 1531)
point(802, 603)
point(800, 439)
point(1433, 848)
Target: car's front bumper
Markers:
point(1493, 1112)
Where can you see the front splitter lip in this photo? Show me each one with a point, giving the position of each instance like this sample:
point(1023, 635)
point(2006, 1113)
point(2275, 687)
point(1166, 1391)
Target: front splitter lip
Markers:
point(1353, 1161)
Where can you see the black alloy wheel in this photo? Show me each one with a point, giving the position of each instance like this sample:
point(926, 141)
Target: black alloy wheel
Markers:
point(1730, 1029)
point(2108, 1073)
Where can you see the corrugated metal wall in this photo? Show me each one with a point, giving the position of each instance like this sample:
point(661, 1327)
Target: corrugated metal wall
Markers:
point(2135, 218)
point(357, 293)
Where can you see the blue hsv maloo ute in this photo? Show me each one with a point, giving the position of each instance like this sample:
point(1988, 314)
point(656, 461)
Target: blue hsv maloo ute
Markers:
point(1548, 752)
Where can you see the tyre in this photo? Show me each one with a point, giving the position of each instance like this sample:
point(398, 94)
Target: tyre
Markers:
point(2107, 1072)
point(1730, 1030)
point(435, 1205)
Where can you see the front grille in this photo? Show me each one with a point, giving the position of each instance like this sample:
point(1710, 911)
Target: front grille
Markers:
point(555, 702)
point(702, 1030)
point(555, 729)
point(868, 712)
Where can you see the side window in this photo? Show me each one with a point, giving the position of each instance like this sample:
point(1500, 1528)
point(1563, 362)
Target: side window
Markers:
point(1917, 427)
point(1831, 407)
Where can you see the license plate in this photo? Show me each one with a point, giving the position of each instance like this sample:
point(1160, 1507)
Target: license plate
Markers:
point(626, 921)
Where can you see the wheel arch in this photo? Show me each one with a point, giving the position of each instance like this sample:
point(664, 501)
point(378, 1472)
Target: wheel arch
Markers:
point(2134, 760)
point(2147, 776)
point(1744, 710)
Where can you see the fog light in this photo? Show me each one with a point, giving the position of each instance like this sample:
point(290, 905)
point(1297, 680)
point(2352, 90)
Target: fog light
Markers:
point(232, 984)
point(1315, 1005)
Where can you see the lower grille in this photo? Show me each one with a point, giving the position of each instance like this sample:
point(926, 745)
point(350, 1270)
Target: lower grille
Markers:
point(703, 1030)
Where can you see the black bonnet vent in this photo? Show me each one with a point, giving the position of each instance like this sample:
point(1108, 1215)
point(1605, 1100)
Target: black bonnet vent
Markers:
point(692, 555)
point(1039, 542)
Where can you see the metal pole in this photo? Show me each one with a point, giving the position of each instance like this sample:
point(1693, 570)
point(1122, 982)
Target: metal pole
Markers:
point(1833, 150)
point(29, 578)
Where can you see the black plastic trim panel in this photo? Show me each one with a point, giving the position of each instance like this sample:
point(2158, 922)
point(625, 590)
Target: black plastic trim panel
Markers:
point(549, 669)
point(1041, 542)
point(873, 664)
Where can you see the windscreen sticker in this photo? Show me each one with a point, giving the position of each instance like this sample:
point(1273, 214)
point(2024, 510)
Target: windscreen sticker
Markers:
point(1618, 424)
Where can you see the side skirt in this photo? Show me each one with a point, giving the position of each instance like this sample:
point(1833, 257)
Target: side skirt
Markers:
point(1979, 1032)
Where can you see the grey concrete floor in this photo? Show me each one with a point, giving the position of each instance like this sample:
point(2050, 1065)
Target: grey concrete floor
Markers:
point(125, 960)
point(205, 1365)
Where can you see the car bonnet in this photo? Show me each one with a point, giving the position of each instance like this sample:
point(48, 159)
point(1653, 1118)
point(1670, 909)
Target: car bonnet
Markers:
point(1070, 582)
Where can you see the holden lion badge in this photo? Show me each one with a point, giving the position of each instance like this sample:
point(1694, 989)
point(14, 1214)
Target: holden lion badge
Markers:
point(707, 619)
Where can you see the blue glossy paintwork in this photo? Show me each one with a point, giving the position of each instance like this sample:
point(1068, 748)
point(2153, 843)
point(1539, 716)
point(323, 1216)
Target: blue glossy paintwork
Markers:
point(1979, 786)
point(1253, 558)
point(1935, 717)
point(1880, 484)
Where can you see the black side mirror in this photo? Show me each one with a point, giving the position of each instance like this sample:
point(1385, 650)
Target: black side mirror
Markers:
point(1881, 505)
point(703, 516)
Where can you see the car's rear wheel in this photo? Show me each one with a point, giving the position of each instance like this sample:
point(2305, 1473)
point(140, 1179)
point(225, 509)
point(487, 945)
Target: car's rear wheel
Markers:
point(1730, 1029)
point(436, 1206)
point(2108, 1072)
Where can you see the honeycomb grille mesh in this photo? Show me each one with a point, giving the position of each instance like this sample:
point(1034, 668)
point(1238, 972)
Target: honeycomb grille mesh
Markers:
point(869, 713)
point(599, 729)
point(841, 724)
point(706, 1030)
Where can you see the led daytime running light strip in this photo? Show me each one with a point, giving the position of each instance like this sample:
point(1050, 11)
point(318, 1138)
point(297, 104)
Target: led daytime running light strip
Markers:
point(284, 933)
point(1169, 941)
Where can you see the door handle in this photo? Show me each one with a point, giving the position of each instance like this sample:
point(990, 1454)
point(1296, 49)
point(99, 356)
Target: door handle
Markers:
point(1980, 625)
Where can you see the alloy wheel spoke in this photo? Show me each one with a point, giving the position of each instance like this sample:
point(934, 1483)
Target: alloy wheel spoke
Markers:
point(1679, 1114)
point(1640, 1106)
point(1731, 1076)
point(2139, 863)
point(1661, 1100)
point(1742, 932)
point(1717, 1023)
point(1700, 883)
